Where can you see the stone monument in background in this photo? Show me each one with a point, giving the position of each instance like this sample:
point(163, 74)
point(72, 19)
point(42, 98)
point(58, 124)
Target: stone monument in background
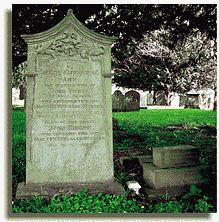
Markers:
point(118, 101)
point(69, 144)
point(132, 101)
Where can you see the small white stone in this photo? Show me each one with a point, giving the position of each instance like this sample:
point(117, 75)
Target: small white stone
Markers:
point(134, 185)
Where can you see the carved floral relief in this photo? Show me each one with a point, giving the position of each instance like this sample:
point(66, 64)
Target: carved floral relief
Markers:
point(70, 44)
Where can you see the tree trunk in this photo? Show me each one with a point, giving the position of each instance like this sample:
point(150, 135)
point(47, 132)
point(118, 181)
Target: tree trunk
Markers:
point(154, 98)
point(167, 97)
point(22, 89)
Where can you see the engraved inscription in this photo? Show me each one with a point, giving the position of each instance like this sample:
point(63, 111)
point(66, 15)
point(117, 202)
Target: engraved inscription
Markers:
point(70, 105)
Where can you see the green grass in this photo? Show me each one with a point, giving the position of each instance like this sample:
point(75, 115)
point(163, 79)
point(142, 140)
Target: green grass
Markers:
point(149, 128)
point(165, 117)
point(142, 129)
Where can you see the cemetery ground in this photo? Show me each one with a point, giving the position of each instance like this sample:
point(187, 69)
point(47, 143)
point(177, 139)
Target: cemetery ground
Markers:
point(136, 134)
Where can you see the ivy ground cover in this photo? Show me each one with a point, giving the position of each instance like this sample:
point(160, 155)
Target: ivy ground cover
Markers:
point(144, 129)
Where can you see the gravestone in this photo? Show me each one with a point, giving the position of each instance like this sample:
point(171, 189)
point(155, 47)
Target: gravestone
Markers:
point(149, 99)
point(143, 101)
point(132, 101)
point(118, 101)
point(182, 100)
point(161, 98)
point(193, 99)
point(69, 144)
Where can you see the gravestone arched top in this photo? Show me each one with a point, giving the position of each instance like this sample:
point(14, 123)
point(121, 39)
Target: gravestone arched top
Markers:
point(132, 93)
point(118, 93)
point(70, 23)
point(70, 11)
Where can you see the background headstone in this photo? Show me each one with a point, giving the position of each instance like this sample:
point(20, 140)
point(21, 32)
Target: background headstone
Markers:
point(182, 100)
point(161, 98)
point(117, 101)
point(192, 100)
point(132, 101)
point(69, 111)
point(149, 99)
point(143, 101)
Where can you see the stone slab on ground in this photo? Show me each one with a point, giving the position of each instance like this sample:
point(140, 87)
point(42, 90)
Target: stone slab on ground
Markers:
point(169, 157)
point(160, 178)
point(49, 191)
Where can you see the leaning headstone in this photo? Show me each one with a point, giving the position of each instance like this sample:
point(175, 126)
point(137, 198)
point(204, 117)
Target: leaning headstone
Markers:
point(69, 144)
point(132, 101)
point(118, 101)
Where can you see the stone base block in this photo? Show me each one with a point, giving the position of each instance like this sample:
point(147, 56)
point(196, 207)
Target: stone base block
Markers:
point(160, 178)
point(48, 191)
point(145, 159)
point(142, 159)
point(170, 157)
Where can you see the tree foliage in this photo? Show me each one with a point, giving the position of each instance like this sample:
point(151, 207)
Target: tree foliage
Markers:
point(178, 64)
point(132, 24)
point(132, 21)
point(153, 65)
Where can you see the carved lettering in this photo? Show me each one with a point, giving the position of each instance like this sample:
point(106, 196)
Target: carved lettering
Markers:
point(72, 96)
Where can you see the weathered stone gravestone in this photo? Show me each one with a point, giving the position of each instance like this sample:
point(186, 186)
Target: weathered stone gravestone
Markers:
point(182, 100)
point(69, 143)
point(149, 99)
point(132, 101)
point(192, 99)
point(118, 101)
point(143, 101)
point(161, 98)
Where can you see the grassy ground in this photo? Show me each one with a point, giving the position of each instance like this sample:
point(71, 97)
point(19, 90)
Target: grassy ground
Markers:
point(143, 130)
